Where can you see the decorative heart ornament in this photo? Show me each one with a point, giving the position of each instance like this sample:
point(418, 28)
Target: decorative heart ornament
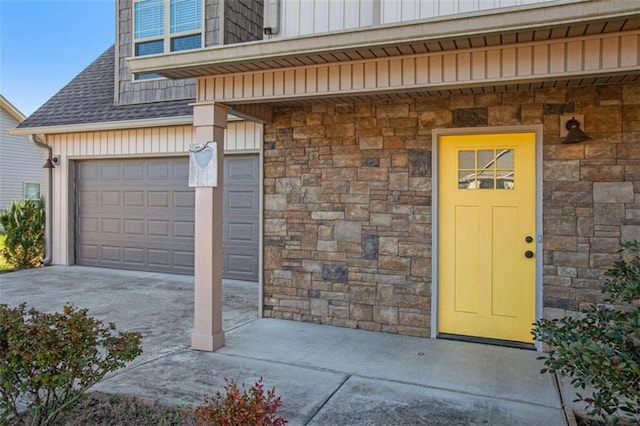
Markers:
point(203, 157)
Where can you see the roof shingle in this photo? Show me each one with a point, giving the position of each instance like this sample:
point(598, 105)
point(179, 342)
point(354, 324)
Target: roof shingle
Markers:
point(88, 98)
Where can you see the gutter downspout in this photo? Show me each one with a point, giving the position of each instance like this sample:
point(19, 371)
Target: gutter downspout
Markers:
point(47, 226)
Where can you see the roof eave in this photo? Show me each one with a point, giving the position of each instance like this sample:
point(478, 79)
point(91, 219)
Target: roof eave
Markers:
point(105, 125)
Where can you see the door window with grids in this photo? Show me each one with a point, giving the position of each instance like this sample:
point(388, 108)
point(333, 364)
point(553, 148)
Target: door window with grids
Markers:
point(486, 169)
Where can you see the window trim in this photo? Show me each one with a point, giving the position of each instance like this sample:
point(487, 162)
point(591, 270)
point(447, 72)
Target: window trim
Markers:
point(26, 185)
point(166, 35)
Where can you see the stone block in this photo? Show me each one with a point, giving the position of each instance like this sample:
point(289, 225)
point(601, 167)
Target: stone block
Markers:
point(414, 319)
point(335, 273)
point(600, 151)
point(560, 242)
point(370, 244)
point(345, 230)
point(602, 119)
point(531, 114)
point(411, 249)
point(571, 259)
point(312, 194)
point(329, 215)
point(421, 267)
point(388, 246)
point(470, 117)
point(419, 163)
point(373, 174)
point(550, 95)
point(319, 307)
point(380, 219)
point(276, 202)
point(561, 170)
point(346, 160)
point(275, 226)
point(363, 294)
point(487, 99)
point(272, 257)
point(604, 245)
point(308, 132)
point(434, 119)
point(557, 281)
point(313, 266)
point(613, 192)
point(325, 245)
point(503, 115)
point(608, 214)
point(392, 111)
point(564, 152)
point(603, 260)
point(357, 212)
point(293, 303)
point(567, 272)
point(360, 312)
point(584, 226)
point(385, 315)
point(290, 185)
point(627, 151)
point(462, 101)
point(598, 173)
point(370, 142)
point(630, 233)
point(395, 263)
point(560, 225)
point(398, 181)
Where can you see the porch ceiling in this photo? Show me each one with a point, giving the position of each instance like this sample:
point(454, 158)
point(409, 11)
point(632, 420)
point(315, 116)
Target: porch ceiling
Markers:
point(518, 25)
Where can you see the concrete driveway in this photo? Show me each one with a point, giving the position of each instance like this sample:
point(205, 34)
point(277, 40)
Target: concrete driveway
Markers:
point(326, 375)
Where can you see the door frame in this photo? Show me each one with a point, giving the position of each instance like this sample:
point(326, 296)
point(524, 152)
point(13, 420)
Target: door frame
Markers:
point(537, 129)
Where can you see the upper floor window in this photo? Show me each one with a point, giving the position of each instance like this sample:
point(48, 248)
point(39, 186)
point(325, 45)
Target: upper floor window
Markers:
point(161, 26)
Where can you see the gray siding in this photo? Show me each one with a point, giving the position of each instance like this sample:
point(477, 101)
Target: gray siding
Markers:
point(243, 20)
point(20, 162)
point(133, 92)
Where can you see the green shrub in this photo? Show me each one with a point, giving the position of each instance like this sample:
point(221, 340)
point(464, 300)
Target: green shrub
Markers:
point(601, 349)
point(48, 360)
point(23, 224)
point(241, 407)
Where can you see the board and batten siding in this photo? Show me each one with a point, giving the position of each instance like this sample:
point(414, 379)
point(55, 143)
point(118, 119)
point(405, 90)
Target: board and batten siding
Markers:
point(20, 162)
point(240, 137)
point(549, 60)
point(302, 17)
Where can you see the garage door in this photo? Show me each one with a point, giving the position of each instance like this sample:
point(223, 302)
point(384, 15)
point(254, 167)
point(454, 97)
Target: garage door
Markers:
point(139, 213)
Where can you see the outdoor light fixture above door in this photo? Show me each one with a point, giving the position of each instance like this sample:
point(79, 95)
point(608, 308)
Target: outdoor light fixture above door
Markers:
point(575, 134)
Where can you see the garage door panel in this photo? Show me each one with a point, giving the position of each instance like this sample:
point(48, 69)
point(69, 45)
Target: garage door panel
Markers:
point(184, 199)
point(139, 214)
point(241, 217)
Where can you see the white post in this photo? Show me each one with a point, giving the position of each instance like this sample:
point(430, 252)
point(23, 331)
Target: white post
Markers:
point(209, 121)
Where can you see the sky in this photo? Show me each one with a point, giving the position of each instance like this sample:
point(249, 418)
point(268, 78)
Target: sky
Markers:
point(44, 44)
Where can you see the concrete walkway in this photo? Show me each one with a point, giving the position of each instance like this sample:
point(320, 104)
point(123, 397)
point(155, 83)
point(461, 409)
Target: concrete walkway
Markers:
point(326, 375)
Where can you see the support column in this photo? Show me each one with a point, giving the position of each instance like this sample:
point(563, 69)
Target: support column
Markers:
point(209, 121)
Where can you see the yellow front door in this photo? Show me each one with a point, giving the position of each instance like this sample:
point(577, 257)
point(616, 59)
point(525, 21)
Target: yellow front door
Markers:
point(486, 282)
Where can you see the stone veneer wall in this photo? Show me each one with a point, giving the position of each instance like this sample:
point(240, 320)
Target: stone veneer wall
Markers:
point(347, 205)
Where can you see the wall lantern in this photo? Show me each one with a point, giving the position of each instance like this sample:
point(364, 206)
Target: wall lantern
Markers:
point(575, 134)
point(48, 164)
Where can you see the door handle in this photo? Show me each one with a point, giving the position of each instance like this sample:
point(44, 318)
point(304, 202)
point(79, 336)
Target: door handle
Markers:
point(528, 254)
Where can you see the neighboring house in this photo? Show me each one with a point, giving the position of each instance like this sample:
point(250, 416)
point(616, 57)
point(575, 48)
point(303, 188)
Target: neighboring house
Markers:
point(414, 170)
point(121, 197)
point(21, 174)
